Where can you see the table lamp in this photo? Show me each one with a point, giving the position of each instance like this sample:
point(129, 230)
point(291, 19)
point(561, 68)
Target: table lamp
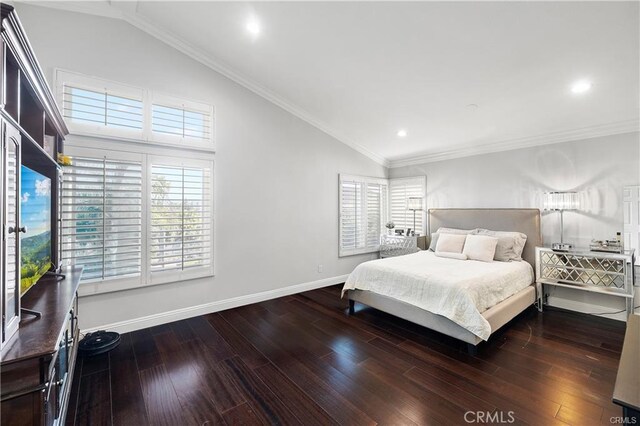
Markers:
point(414, 204)
point(561, 201)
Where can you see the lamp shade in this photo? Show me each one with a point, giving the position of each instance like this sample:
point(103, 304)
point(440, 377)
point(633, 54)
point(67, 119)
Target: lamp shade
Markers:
point(414, 203)
point(561, 201)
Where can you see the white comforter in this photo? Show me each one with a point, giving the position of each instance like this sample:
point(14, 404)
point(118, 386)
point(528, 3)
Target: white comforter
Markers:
point(456, 289)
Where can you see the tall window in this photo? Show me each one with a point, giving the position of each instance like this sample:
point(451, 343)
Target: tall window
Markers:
point(180, 218)
point(363, 213)
point(132, 219)
point(102, 217)
point(400, 190)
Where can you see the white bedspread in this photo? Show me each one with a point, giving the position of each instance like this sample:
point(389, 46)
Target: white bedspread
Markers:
point(456, 289)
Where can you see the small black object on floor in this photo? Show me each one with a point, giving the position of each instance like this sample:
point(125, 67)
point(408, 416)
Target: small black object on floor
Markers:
point(98, 342)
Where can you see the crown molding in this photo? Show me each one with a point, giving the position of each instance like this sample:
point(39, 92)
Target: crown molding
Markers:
point(128, 13)
point(526, 142)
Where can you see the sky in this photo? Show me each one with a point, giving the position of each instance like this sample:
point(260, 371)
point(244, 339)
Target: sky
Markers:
point(35, 202)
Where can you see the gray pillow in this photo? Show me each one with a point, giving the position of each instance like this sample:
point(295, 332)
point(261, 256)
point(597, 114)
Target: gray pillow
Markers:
point(456, 231)
point(510, 244)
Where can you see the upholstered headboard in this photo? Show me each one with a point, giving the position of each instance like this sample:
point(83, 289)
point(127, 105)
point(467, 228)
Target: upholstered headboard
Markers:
point(526, 221)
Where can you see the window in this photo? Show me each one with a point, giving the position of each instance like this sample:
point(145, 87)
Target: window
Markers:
point(103, 108)
point(133, 219)
point(400, 190)
point(181, 218)
point(173, 119)
point(97, 107)
point(363, 213)
point(102, 217)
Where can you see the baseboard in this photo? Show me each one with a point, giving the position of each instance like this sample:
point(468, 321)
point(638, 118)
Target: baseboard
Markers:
point(220, 305)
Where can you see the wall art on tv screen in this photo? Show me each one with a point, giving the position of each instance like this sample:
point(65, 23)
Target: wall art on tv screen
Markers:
point(35, 215)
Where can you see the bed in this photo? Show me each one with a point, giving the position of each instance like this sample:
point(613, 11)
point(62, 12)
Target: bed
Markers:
point(494, 292)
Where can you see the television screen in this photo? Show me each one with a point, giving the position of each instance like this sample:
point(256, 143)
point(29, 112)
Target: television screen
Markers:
point(35, 215)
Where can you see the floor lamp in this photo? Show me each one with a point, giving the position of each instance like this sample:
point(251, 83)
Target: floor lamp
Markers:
point(414, 204)
point(561, 201)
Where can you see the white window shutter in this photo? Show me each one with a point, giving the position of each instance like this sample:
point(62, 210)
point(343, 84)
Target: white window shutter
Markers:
point(102, 217)
point(181, 122)
point(363, 212)
point(400, 190)
point(181, 235)
point(102, 108)
point(351, 211)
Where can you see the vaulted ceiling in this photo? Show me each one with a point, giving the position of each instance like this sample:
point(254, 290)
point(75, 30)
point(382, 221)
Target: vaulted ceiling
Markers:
point(459, 77)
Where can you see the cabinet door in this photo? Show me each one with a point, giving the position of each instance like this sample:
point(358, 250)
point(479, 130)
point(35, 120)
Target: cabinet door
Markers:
point(11, 225)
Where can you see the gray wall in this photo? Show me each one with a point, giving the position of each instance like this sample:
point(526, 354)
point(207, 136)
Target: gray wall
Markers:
point(276, 176)
point(598, 168)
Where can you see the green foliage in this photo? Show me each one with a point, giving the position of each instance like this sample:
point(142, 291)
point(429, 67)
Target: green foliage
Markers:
point(35, 258)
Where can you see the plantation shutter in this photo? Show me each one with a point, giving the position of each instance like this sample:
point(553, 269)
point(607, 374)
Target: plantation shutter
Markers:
point(102, 217)
point(376, 213)
point(363, 207)
point(181, 122)
point(103, 108)
point(400, 190)
point(351, 220)
point(181, 218)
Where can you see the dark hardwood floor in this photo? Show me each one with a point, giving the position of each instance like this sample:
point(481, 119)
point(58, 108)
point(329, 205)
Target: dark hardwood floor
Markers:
point(302, 360)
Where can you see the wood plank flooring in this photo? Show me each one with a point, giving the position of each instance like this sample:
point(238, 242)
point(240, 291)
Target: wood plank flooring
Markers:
point(302, 360)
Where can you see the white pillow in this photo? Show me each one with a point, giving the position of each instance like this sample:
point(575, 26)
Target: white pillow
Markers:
point(480, 247)
point(510, 244)
point(458, 256)
point(451, 243)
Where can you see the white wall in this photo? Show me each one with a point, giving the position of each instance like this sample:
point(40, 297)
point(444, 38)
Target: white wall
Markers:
point(276, 176)
point(598, 168)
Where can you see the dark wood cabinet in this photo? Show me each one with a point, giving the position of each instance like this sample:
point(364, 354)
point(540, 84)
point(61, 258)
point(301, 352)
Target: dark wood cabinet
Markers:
point(37, 368)
point(37, 354)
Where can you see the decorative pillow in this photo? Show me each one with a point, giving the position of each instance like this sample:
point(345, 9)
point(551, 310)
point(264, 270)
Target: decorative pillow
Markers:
point(480, 247)
point(510, 244)
point(458, 256)
point(451, 243)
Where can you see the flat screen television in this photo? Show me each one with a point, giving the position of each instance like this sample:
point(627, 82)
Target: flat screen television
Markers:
point(35, 216)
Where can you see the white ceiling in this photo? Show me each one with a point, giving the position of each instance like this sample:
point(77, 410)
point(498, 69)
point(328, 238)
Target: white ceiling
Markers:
point(363, 70)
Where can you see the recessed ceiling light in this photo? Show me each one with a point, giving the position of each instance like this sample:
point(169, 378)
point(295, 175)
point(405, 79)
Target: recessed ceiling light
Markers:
point(253, 27)
point(402, 133)
point(581, 86)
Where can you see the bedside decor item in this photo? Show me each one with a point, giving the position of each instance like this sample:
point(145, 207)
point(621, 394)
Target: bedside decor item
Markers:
point(606, 246)
point(414, 204)
point(390, 225)
point(561, 201)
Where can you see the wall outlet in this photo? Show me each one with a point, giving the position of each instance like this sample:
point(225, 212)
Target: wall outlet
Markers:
point(320, 268)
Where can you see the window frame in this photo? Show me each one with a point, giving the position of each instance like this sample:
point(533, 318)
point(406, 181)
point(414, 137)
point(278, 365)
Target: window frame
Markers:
point(90, 147)
point(343, 252)
point(148, 97)
point(160, 99)
point(94, 84)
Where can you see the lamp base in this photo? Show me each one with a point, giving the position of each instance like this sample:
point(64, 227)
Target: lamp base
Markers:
point(561, 246)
